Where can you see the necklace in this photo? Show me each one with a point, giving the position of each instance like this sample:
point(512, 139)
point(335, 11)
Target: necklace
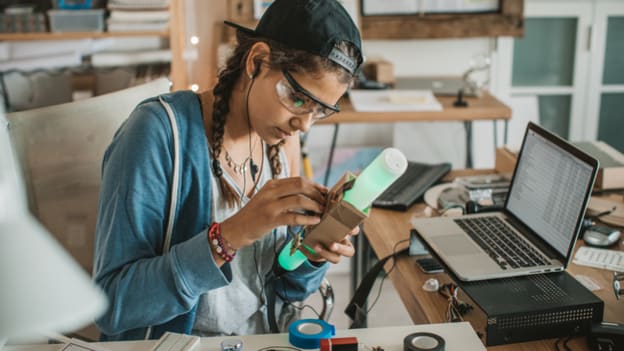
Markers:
point(240, 168)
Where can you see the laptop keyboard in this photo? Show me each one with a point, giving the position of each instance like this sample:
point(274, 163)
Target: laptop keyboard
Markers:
point(501, 243)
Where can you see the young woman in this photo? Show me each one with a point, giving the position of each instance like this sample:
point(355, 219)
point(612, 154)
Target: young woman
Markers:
point(238, 189)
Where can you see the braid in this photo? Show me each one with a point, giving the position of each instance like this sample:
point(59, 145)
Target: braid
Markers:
point(274, 159)
point(222, 93)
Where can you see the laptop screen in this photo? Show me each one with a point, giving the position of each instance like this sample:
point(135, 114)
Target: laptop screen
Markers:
point(549, 189)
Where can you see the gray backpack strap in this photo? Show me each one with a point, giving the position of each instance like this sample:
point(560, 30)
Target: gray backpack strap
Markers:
point(174, 184)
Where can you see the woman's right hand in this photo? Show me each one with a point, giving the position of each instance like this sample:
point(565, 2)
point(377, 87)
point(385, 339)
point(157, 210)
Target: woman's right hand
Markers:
point(278, 202)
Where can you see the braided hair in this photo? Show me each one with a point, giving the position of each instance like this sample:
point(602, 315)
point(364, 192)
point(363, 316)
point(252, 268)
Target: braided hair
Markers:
point(280, 58)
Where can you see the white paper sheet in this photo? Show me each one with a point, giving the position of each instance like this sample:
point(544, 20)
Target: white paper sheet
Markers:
point(393, 100)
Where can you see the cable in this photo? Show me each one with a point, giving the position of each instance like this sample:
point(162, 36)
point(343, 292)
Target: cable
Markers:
point(252, 165)
point(394, 253)
point(279, 348)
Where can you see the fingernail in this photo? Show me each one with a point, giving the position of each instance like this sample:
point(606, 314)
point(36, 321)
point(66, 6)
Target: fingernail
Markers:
point(317, 220)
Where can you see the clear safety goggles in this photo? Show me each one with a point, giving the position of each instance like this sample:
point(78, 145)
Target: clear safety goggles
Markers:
point(299, 101)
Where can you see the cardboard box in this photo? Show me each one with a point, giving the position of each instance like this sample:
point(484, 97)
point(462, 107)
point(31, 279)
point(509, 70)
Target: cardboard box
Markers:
point(379, 70)
point(505, 161)
point(339, 218)
point(611, 172)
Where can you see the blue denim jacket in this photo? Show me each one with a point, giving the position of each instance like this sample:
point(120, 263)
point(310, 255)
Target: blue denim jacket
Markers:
point(146, 288)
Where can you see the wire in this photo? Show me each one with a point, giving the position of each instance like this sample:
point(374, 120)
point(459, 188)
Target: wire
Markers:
point(279, 348)
point(287, 302)
point(394, 253)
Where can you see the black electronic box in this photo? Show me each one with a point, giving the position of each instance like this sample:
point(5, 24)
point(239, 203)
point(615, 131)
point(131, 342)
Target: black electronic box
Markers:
point(533, 307)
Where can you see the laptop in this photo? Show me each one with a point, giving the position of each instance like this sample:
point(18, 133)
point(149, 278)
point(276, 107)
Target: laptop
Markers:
point(536, 230)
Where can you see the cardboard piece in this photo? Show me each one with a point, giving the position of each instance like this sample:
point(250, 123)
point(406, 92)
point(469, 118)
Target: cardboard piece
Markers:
point(338, 219)
point(380, 70)
point(611, 172)
point(505, 160)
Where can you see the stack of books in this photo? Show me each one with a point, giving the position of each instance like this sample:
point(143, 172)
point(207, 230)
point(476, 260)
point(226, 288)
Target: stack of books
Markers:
point(138, 15)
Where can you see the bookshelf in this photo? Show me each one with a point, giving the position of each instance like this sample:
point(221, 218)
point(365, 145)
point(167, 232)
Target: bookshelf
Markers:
point(508, 21)
point(175, 35)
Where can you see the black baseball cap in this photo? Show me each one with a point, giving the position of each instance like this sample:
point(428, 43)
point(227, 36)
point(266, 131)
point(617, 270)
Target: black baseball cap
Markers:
point(315, 26)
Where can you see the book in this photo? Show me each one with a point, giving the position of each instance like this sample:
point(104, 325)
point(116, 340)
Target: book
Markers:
point(611, 172)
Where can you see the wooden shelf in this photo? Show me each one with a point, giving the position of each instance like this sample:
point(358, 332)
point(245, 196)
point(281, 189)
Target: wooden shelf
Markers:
point(508, 21)
point(76, 35)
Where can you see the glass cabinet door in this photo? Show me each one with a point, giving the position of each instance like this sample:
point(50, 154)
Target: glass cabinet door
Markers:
point(611, 111)
point(549, 63)
point(605, 91)
point(544, 58)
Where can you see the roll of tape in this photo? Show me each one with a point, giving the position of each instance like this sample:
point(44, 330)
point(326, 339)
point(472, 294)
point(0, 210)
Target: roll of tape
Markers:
point(423, 342)
point(307, 333)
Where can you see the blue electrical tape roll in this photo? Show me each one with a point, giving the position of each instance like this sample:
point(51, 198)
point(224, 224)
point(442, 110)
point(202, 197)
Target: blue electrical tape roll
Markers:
point(307, 333)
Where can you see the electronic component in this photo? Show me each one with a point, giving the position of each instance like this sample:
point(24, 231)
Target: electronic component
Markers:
point(599, 235)
point(339, 344)
point(534, 307)
point(606, 336)
point(176, 342)
point(429, 265)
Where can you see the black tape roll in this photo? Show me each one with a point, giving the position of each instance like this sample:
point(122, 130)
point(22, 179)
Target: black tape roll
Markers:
point(423, 342)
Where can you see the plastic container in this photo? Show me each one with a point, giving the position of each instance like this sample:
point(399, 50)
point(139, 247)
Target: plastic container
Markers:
point(76, 20)
point(73, 4)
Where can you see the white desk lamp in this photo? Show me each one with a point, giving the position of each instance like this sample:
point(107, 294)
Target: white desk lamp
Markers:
point(42, 289)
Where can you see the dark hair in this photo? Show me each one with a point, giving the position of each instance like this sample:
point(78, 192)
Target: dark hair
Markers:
point(280, 58)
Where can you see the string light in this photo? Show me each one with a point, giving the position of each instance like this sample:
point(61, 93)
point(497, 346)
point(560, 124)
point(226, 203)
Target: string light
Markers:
point(194, 87)
point(194, 40)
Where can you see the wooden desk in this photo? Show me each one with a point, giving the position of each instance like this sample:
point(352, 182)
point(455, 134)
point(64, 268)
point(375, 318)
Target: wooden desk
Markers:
point(384, 228)
point(485, 108)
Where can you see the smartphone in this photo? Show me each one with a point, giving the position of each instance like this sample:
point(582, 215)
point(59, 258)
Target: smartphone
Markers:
point(429, 265)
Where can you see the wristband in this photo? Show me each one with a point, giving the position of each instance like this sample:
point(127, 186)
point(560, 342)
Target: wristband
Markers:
point(216, 241)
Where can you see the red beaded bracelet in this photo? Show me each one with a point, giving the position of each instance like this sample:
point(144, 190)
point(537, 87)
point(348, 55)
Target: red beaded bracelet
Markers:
point(216, 241)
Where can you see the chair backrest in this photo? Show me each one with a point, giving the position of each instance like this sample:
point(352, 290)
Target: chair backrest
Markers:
point(60, 150)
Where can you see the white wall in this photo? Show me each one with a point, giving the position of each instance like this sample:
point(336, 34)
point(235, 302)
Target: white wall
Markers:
point(427, 142)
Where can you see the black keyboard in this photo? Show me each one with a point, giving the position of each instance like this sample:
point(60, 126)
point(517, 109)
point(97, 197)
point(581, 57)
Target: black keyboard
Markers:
point(411, 186)
point(502, 244)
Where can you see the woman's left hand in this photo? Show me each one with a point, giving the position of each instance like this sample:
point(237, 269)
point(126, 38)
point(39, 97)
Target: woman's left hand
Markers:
point(335, 251)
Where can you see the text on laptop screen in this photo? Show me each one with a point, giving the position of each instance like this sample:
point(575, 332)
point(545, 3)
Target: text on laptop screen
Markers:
point(548, 192)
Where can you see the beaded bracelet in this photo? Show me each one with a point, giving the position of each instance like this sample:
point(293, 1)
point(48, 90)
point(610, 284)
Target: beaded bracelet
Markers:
point(216, 241)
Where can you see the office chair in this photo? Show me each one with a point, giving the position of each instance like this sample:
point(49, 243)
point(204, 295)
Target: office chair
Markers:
point(60, 150)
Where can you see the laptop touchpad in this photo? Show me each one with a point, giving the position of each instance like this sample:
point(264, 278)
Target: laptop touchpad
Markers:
point(456, 245)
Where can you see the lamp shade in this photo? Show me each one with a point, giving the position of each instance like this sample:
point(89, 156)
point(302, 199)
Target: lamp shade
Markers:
point(43, 289)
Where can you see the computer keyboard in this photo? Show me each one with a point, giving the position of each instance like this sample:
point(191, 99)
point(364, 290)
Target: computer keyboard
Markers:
point(411, 185)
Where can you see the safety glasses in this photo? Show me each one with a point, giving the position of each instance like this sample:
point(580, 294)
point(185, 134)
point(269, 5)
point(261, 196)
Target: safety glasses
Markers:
point(299, 101)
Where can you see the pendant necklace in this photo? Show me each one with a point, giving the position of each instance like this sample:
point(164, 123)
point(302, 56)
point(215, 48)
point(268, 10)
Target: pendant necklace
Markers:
point(239, 168)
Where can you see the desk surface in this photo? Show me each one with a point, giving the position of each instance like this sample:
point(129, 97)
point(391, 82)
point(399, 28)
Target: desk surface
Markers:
point(487, 107)
point(458, 337)
point(425, 307)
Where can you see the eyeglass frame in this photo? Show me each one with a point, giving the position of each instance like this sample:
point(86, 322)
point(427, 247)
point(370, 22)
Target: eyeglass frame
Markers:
point(298, 88)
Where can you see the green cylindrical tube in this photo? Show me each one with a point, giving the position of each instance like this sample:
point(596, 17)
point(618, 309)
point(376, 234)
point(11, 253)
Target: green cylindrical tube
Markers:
point(290, 262)
point(373, 180)
point(376, 178)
